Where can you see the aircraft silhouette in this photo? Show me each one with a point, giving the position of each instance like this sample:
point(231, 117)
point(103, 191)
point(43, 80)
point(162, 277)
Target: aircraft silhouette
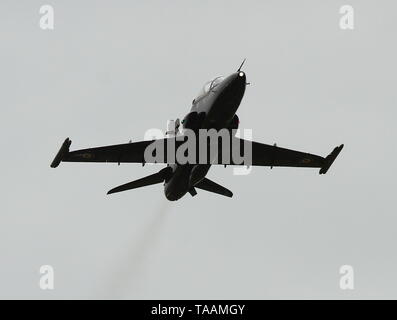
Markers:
point(214, 108)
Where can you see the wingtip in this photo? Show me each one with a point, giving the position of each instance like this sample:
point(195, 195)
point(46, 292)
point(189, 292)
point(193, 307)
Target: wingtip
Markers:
point(64, 150)
point(329, 160)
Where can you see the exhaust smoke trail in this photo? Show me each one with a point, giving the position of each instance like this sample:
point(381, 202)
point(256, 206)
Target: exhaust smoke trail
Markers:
point(128, 272)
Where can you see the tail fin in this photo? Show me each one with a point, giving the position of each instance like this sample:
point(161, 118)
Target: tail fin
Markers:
point(211, 186)
point(146, 181)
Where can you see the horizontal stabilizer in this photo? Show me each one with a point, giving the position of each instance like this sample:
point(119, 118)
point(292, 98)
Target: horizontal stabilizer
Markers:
point(329, 160)
point(63, 151)
point(211, 186)
point(143, 182)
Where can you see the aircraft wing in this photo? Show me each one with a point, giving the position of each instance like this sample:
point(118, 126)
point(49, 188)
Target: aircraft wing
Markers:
point(274, 156)
point(133, 152)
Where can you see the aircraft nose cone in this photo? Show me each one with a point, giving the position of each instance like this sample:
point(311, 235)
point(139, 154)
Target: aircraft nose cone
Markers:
point(239, 80)
point(241, 75)
point(238, 83)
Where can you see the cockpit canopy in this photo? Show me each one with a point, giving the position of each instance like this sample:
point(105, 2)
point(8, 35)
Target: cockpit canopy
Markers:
point(210, 85)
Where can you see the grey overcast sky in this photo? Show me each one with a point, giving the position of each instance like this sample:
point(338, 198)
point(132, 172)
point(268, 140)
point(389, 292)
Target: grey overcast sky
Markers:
point(111, 70)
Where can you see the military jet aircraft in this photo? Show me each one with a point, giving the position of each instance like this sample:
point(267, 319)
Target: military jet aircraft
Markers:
point(214, 108)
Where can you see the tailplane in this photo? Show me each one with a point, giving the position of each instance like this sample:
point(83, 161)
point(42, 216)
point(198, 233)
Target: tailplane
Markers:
point(143, 182)
point(211, 186)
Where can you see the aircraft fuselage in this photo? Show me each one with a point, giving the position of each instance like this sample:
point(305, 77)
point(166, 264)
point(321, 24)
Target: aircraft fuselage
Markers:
point(212, 110)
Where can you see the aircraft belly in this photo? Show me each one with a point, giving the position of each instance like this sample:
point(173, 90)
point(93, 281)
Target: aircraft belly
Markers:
point(178, 185)
point(198, 173)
